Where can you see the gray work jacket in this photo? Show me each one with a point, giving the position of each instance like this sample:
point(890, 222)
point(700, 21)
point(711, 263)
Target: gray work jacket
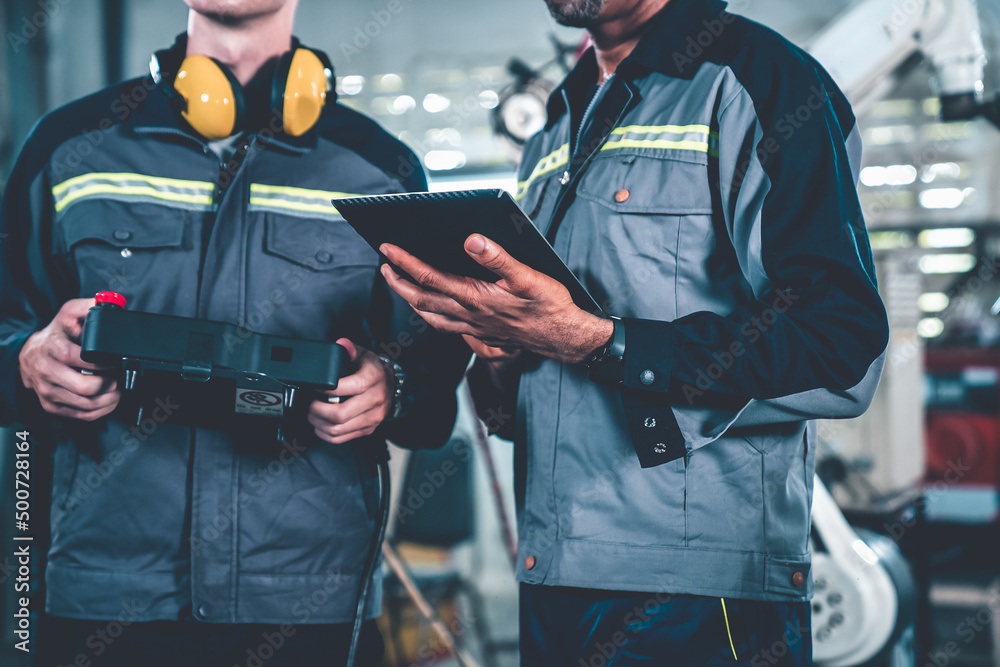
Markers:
point(709, 199)
point(115, 192)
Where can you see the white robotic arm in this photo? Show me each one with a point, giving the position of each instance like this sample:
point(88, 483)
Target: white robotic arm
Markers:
point(868, 46)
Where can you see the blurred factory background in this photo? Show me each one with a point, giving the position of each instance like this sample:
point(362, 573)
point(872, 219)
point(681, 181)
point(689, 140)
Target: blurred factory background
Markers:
point(916, 478)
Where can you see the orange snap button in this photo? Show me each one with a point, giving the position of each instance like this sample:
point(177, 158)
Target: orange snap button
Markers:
point(798, 579)
point(621, 196)
point(529, 563)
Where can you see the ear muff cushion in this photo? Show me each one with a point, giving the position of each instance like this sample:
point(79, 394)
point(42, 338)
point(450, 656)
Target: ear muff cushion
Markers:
point(212, 96)
point(305, 92)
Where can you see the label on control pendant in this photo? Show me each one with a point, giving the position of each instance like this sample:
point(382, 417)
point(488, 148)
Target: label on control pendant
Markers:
point(251, 401)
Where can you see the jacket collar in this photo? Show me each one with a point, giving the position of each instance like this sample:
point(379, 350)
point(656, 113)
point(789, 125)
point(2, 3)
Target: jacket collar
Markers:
point(670, 45)
point(156, 114)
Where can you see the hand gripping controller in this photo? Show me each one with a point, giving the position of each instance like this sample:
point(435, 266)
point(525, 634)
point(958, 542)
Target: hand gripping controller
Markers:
point(216, 370)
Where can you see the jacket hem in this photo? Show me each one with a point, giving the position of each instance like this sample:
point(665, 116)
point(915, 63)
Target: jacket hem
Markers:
point(741, 575)
point(139, 597)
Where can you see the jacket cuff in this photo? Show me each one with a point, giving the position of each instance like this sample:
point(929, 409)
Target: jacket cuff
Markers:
point(649, 355)
point(647, 366)
point(656, 437)
point(429, 417)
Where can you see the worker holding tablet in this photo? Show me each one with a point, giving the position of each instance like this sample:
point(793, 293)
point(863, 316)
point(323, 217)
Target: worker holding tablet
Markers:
point(664, 448)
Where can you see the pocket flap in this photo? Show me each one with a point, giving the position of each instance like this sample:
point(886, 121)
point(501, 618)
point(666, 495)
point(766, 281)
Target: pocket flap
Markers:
point(317, 244)
point(643, 184)
point(127, 232)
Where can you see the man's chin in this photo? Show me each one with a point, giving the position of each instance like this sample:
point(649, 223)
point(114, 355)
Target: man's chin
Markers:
point(575, 13)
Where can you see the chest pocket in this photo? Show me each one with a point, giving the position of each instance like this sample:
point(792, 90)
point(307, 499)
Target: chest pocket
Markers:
point(318, 271)
point(319, 245)
point(635, 183)
point(648, 221)
point(130, 251)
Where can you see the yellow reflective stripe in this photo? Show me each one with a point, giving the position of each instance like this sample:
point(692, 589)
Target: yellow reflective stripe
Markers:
point(301, 193)
point(725, 615)
point(662, 129)
point(667, 137)
point(679, 140)
point(699, 146)
point(123, 176)
point(133, 190)
point(547, 164)
point(294, 205)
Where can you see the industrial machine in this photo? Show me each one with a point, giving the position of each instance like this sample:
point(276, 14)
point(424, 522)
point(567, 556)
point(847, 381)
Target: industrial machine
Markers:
point(867, 51)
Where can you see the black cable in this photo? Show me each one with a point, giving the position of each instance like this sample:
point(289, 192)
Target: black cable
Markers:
point(382, 517)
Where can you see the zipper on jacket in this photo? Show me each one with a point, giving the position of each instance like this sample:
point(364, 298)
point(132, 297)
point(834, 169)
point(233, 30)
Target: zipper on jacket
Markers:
point(594, 99)
point(228, 169)
point(567, 177)
point(227, 174)
point(590, 108)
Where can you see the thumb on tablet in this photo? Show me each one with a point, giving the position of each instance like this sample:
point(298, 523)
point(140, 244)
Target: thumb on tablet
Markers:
point(518, 277)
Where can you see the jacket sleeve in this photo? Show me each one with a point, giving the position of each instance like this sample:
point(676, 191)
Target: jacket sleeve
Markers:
point(434, 363)
point(496, 407)
point(27, 284)
point(810, 339)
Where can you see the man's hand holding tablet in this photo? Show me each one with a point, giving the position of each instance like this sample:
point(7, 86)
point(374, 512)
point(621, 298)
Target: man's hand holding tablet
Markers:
point(525, 309)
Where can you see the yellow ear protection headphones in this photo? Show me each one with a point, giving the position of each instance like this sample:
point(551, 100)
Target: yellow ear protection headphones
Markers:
point(213, 103)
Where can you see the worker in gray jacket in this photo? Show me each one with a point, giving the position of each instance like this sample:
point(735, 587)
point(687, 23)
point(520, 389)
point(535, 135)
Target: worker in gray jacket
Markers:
point(204, 191)
point(698, 174)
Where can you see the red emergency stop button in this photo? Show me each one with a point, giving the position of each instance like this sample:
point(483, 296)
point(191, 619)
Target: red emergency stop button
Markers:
point(113, 298)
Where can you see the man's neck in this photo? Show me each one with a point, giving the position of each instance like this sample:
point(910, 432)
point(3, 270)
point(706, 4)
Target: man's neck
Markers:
point(616, 37)
point(242, 45)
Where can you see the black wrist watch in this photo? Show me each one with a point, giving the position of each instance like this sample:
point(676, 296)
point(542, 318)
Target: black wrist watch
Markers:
point(607, 364)
point(400, 404)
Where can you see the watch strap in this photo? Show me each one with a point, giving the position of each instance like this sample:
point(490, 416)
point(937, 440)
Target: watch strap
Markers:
point(399, 404)
point(606, 366)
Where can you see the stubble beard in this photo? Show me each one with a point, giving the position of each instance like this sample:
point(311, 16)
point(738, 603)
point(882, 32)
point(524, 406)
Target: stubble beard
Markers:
point(575, 13)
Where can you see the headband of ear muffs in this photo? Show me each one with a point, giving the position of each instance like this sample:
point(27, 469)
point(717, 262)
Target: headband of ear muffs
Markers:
point(211, 100)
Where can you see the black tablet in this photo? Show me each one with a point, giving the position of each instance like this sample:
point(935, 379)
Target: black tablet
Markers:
point(433, 226)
